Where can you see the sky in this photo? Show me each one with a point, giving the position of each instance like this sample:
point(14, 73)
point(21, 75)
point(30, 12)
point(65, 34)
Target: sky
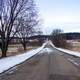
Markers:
point(59, 14)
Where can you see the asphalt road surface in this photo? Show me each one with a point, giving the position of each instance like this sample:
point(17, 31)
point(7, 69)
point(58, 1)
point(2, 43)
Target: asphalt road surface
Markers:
point(53, 65)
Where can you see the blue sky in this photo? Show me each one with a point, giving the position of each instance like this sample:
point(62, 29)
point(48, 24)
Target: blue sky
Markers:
point(63, 14)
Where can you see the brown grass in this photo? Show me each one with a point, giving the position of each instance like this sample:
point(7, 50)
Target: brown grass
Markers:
point(19, 50)
point(75, 46)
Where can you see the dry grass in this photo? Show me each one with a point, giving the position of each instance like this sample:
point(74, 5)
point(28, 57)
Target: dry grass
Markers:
point(76, 49)
point(75, 45)
point(18, 49)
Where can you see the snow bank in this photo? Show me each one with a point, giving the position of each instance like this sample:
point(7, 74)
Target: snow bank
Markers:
point(74, 53)
point(65, 50)
point(9, 62)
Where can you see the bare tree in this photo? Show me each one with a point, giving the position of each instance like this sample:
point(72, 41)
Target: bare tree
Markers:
point(56, 32)
point(27, 26)
point(59, 39)
point(10, 12)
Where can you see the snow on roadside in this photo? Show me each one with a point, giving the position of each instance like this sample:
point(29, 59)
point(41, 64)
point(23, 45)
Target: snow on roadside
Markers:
point(9, 62)
point(70, 52)
point(65, 50)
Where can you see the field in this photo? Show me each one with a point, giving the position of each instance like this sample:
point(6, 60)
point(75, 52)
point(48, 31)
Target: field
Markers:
point(75, 45)
point(16, 49)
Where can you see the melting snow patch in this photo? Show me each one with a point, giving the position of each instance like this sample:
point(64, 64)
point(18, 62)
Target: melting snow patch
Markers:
point(70, 52)
point(65, 50)
point(46, 50)
point(7, 63)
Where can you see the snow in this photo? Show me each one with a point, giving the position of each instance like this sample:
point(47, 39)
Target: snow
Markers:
point(70, 52)
point(74, 53)
point(9, 62)
point(46, 50)
point(50, 43)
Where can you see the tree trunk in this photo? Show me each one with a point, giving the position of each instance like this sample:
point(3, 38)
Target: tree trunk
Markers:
point(4, 52)
point(24, 46)
point(23, 42)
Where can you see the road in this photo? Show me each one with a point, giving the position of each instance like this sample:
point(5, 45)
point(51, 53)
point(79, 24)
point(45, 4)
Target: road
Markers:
point(53, 65)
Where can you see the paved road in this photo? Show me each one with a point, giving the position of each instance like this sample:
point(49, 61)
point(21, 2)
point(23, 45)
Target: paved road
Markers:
point(53, 65)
